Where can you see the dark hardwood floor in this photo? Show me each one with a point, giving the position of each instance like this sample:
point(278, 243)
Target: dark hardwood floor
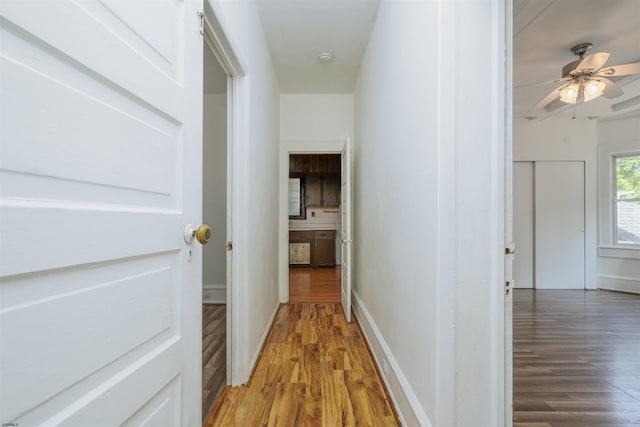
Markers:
point(314, 370)
point(576, 359)
point(214, 354)
point(314, 284)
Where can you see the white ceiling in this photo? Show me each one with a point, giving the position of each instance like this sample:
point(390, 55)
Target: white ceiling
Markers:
point(298, 30)
point(544, 32)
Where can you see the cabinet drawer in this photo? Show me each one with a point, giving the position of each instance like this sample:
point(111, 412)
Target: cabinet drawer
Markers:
point(301, 235)
point(324, 234)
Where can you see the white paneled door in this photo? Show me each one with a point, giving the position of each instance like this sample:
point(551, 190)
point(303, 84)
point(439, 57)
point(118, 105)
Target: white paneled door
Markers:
point(559, 225)
point(100, 171)
point(346, 241)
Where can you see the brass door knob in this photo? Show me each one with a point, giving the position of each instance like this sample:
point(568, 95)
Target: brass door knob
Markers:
point(202, 234)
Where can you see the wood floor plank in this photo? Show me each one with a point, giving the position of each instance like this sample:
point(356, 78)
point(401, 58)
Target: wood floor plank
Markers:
point(576, 359)
point(214, 355)
point(314, 284)
point(314, 370)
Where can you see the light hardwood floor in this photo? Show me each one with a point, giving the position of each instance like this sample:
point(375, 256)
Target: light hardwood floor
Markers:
point(214, 354)
point(576, 359)
point(314, 370)
point(314, 284)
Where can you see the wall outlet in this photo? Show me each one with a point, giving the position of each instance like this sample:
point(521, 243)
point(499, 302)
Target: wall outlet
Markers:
point(385, 368)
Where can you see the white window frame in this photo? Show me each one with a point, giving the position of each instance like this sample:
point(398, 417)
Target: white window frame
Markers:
point(614, 198)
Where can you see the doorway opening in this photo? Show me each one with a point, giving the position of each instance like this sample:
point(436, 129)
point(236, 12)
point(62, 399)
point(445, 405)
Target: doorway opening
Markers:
point(214, 212)
point(314, 228)
point(309, 217)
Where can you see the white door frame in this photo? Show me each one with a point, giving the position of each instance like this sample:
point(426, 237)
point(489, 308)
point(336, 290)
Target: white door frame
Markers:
point(215, 36)
point(507, 320)
point(287, 148)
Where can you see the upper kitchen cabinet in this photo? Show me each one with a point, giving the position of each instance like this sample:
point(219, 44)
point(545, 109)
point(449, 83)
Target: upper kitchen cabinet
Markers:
point(331, 190)
point(318, 163)
point(333, 163)
point(314, 190)
point(314, 163)
point(299, 163)
point(321, 175)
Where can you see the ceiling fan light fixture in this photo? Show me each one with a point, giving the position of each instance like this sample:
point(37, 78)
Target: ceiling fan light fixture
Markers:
point(593, 89)
point(569, 94)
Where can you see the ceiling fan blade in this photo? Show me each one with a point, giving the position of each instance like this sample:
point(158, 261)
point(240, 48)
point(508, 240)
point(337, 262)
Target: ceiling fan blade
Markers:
point(611, 90)
point(620, 70)
point(544, 83)
point(556, 104)
point(547, 99)
point(593, 62)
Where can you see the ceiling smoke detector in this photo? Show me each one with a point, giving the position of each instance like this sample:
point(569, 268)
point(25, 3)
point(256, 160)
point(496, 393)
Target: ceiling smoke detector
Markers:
point(325, 57)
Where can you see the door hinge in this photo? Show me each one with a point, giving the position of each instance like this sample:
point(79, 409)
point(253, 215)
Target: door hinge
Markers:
point(507, 287)
point(229, 246)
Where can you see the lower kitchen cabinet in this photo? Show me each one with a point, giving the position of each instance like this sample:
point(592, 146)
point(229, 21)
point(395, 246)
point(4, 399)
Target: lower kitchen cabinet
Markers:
point(315, 248)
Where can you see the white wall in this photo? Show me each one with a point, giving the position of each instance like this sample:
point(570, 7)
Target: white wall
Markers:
point(255, 172)
point(565, 139)
point(215, 196)
point(618, 268)
point(316, 117)
point(429, 150)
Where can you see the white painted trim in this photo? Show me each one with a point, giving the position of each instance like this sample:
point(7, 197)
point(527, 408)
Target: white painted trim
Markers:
point(612, 282)
point(406, 402)
point(225, 50)
point(222, 46)
point(606, 185)
point(264, 336)
point(214, 294)
point(507, 321)
point(333, 146)
point(618, 252)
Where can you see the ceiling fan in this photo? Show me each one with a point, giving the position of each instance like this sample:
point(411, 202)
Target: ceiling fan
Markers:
point(584, 79)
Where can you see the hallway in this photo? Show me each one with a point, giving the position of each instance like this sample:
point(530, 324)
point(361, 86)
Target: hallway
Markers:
point(315, 369)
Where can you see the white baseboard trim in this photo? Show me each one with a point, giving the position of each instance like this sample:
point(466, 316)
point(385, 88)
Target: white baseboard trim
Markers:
point(409, 409)
point(214, 294)
point(619, 283)
point(264, 336)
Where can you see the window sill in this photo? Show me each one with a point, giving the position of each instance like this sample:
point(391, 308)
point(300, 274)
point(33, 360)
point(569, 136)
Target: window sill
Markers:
point(619, 251)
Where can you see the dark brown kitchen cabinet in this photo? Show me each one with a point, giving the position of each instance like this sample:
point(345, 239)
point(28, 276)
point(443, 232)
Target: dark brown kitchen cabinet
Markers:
point(324, 250)
point(299, 163)
point(314, 163)
point(321, 177)
point(314, 190)
point(315, 248)
point(331, 190)
point(318, 163)
point(333, 163)
point(322, 190)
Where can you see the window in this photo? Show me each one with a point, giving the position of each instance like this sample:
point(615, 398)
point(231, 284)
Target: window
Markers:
point(296, 198)
point(627, 199)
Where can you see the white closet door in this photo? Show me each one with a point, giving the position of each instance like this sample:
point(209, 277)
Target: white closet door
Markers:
point(523, 224)
point(559, 231)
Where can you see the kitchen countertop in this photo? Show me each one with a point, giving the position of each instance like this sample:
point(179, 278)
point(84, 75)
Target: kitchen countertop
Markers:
point(306, 227)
